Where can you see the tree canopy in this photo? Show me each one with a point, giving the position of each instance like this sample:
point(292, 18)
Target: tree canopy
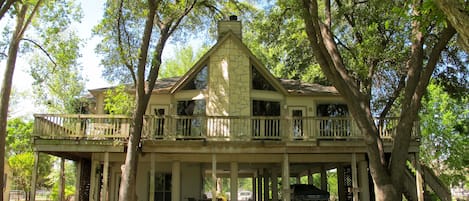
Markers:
point(20, 156)
point(372, 49)
point(445, 134)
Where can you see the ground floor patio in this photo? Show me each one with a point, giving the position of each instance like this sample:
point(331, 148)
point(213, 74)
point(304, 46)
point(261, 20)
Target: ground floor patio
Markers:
point(180, 177)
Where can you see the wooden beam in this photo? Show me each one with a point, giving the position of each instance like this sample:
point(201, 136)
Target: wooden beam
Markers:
point(234, 180)
point(354, 177)
point(214, 177)
point(286, 178)
point(34, 176)
point(176, 181)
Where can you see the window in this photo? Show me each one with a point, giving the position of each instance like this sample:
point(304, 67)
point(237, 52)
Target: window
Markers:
point(191, 121)
point(198, 82)
point(259, 82)
point(265, 108)
point(333, 121)
point(266, 123)
point(297, 116)
point(332, 110)
point(162, 187)
point(159, 121)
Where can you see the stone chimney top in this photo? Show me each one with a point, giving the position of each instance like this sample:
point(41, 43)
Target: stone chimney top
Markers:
point(229, 25)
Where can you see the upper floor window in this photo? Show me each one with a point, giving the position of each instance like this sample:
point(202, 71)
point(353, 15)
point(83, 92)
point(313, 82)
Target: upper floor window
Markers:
point(191, 107)
point(265, 108)
point(199, 81)
point(332, 110)
point(259, 82)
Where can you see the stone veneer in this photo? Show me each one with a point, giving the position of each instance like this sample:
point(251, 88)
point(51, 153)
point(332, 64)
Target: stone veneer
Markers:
point(229, 81)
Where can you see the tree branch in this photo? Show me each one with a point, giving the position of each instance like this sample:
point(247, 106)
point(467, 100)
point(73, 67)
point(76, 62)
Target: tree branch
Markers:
point(5, 6)
point(42, 49)
point(30, 18)
point(120, 47)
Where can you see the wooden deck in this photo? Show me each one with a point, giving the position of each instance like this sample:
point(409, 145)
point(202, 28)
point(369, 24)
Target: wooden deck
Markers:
point(207, 128)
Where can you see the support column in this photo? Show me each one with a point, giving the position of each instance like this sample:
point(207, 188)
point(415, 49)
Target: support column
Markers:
point(266, 184)
point(234, 181)
point(260, 174)
point(310, 177)
point(34, 177)
point(341, 182)
point(214, 177)
point(176, 181)
point(254, 186)
point(323, 178)
point(354, 177)
point(79, 168)
point(418, 177)
point(363, 181)
point(274, 185)
point(152, 177)
point(104, 191)
point(93, 186)
point(62, 180)
point(285, 178)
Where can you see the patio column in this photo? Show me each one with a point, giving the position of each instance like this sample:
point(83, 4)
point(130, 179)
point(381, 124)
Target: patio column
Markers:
point(79, 168)
point(176, 181)
point(254, 185)
point(285, 178)
point(310, 177)
point(363, 181)
point(354, 177)
point(260, 174)
point(341, 182)
point(323, 178)
point(234, 181)
point(274, 185)
point(62, 180)
point(34, 177)
point(266, 184)
point(152, 177)
point(104, 195)
point(93, 186)
point(214, 177)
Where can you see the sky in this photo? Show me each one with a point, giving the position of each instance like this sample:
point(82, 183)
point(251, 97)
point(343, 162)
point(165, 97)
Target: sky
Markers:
point(90, 61)
point(22, 82)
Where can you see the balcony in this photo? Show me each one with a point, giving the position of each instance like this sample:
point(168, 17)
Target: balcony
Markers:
point(210, 128)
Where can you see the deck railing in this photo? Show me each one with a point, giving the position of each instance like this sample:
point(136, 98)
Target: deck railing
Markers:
point(229, 128)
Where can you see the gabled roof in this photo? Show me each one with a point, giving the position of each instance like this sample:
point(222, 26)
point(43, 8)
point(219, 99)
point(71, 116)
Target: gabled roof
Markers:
point(296, 87)
point(258, 64)
point(284, 86)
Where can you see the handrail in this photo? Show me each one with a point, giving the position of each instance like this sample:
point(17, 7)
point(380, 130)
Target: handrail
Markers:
point(230, 128)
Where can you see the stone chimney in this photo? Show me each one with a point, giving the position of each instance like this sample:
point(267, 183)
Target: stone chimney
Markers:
point(231, 25)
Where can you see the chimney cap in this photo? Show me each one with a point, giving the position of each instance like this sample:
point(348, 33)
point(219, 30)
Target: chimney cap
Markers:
point(233, 18)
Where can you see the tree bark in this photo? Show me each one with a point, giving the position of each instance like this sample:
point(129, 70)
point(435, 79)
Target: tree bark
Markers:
point(6, 88)
point(457, 14)
point(386, 174)
point(129, 172)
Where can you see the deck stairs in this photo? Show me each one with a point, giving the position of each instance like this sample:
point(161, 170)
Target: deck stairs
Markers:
point(430, 180)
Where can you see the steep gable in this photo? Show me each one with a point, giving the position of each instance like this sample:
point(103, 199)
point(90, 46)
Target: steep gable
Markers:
point(228, 43)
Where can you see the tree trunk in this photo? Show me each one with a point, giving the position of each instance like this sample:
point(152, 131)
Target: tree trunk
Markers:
point(456, 13)
point(386, 173)
point(129, 172)
point(6, 89)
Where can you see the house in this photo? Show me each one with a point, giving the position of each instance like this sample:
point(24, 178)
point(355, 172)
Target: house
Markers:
point(229, 117)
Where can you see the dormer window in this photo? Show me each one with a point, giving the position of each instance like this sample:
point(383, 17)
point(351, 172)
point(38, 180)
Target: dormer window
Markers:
point(259, 82)
point(199, 81)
